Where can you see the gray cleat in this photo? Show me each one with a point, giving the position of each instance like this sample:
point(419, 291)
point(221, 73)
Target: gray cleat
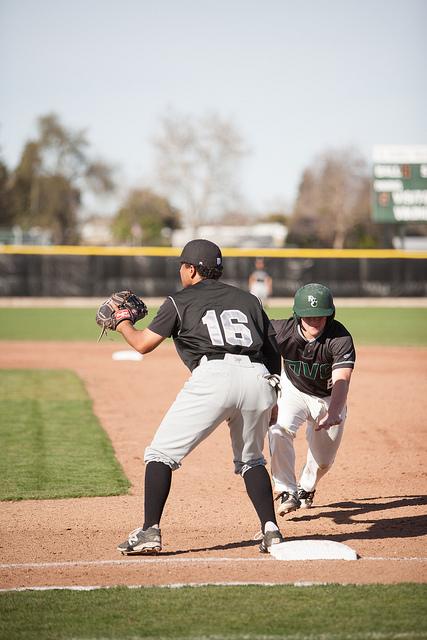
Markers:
point(142, 542)
point(269, 538)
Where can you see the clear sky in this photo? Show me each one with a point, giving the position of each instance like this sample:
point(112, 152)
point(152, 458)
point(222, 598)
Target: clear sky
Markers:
point(296, 78)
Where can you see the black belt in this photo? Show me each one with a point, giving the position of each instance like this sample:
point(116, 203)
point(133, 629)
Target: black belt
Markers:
point(221, 356)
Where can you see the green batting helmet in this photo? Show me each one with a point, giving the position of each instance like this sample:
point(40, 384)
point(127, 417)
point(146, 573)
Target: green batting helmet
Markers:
point(313, 300)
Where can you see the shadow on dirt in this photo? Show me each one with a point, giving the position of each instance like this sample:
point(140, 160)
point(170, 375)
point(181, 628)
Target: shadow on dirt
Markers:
point(354, 513)
point(357, 512)
point(218, 547)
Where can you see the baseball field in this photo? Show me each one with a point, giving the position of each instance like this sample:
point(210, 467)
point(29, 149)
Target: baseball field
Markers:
point(74, 425)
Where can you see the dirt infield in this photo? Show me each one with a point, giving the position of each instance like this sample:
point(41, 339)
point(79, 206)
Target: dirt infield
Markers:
point(373, 500)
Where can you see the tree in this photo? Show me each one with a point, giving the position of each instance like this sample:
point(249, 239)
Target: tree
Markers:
point(333, 202)
point(53, 172)
point(196, 161)
point(6, 217)
point(281, 217)
point(143, 219)
point(24, 186)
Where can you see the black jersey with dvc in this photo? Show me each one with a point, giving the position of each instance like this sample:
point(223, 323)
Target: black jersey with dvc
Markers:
point(212, 318)
point(309, 365)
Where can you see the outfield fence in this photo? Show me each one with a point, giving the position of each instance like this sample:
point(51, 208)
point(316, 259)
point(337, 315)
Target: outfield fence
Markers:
point(75, 271)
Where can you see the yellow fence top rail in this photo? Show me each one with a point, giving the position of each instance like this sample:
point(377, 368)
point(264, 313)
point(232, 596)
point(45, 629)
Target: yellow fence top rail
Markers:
point(228, 251)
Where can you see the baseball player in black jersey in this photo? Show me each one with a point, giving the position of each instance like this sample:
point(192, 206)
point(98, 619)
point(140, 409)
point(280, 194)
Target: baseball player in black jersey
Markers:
point(318, 360)
point(226, 340)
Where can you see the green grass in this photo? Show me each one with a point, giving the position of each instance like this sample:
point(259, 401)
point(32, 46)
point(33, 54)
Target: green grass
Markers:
point(51, 443)
point(379, 326)
point(382, 326)
point(53, 324)
point(332, 612)
point(406, 327)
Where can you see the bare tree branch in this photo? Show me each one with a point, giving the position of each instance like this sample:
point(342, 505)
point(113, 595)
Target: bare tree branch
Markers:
point(196, 163)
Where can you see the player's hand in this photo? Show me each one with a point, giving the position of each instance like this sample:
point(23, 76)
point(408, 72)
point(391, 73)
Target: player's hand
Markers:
point(119, 326)
point(120, 307)
point(329, 420)
point(122, 325)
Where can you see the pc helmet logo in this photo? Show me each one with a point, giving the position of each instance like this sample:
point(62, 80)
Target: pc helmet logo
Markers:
point(313, 300)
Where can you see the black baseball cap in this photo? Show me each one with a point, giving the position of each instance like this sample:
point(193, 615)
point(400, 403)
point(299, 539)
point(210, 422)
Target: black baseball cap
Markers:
point(202, 252)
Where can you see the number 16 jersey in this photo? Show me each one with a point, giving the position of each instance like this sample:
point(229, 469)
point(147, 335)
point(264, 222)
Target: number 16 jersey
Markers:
point(212, 318)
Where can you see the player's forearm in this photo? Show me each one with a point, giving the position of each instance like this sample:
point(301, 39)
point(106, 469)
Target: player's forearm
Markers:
point(143, 340)
point(341, 381)
point(338, 397)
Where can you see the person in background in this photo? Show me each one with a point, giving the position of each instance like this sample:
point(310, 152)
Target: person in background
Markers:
point(260, 283)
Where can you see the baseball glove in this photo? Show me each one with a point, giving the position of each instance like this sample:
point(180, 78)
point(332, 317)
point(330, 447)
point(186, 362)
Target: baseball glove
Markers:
point(123, 305)
point(273, 380)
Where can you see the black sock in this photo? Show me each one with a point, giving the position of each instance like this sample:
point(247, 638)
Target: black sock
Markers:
point(258, 487)
point(158, 479)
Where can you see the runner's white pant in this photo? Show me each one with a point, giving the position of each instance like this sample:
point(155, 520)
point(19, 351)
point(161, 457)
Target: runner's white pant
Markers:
point(296, 408)
point(232, 389)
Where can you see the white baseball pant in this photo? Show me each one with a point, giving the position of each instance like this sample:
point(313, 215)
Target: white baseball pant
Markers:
point(232, 389)
point(296, 408)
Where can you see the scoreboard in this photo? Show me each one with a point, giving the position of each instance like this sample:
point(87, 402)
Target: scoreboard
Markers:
point(399, 184)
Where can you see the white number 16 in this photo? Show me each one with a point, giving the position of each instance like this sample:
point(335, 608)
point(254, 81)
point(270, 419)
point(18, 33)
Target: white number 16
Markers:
point(234, 331)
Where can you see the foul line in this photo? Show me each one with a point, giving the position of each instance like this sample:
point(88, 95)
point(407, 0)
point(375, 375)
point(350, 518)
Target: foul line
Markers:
point(163, 560)
point(172, 585)
point(139, 560)
point(183, 585)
